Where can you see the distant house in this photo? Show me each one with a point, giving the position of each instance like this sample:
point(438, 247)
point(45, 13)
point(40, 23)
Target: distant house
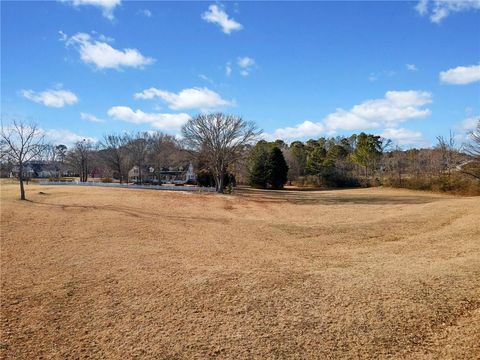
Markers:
point(35, 169)
point(179, 175)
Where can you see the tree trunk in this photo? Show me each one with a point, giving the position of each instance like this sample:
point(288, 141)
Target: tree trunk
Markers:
point(22, 190)
point(219, 184)
point(20, 177)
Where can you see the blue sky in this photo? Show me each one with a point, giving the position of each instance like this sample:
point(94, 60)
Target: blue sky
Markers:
point(406, 70)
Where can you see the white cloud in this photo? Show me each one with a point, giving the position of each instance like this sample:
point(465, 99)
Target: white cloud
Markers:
point(305, 129)
point(422, 7)
point(156, 120)
point(51, 98)
point(63, 136)
point(465, 127)
point(440, 9)
point(403, 136)
point(461, 75)
point(394, 108)
point(216, 15)
point(193, 98)
point(104, 56)
point(91, 118)
point(107, 6)
point(63, 36)
point(411, 67)
point(245, 64)
point(468, 124)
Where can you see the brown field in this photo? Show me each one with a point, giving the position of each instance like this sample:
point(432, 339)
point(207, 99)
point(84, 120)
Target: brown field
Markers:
point(120, 274)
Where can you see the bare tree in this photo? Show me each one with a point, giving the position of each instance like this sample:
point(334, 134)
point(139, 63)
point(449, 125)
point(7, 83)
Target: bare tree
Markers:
point(50, 157)
point(79, 158)
point(164, 151)
point(61, 155)
point(138, 149)
point(293, 165)
point(21, 143)
point(220, 138)
point(474, 147)
point(115, 154)
point(448, 152)
point(472, 167)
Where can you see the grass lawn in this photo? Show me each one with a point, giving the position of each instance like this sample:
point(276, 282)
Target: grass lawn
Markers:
point(119, 273)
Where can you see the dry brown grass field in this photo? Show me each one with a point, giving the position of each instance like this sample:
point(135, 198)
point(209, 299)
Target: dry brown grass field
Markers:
point(120, 273)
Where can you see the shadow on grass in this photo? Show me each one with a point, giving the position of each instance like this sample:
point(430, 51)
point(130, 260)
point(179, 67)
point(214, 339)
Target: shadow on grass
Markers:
point(331, 197)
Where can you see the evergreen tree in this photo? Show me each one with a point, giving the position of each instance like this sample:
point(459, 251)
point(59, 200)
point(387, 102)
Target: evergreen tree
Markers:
point(367, 151)
point(277, 169)
point(315, 161)
point(335, 152)
point(258, 164)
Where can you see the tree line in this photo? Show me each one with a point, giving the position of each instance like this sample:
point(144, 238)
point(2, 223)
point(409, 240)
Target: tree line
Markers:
point(225, 150)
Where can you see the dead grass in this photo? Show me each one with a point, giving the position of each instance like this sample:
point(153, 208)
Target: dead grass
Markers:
point(117, 273)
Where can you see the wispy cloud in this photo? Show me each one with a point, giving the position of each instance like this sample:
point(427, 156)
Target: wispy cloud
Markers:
point(216, 15)
point(90, 117)
point(246, 65)
point(206, 78)
point(374, 76)
point(145, 12)
point(438, 10)
point(107, 6)
point(411, 67)
point(228, 69)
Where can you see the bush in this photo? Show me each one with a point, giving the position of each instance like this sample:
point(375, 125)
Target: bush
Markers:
point(205, 178)
point(106, 179)
point(456, 183)
point(308, 181)
point(229, 188)
point(333, 180)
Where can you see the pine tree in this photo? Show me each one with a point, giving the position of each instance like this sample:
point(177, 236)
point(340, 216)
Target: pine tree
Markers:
point(315, 161)
point(258, 166)
point(367, 151)
point(277, 169)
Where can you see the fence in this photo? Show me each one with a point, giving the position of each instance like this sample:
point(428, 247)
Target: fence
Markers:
point(127, 186)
